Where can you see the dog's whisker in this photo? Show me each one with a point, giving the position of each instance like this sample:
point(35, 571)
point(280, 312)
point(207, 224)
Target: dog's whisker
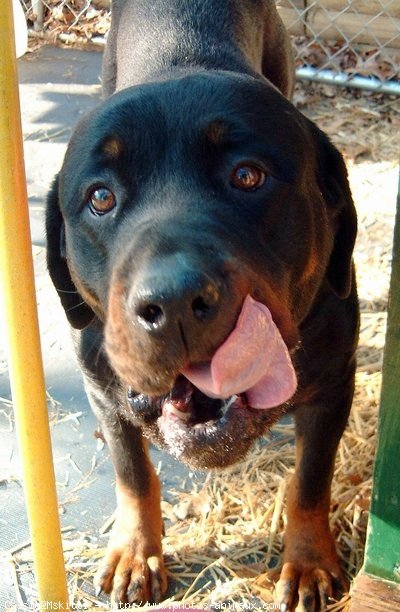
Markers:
point(82, 303)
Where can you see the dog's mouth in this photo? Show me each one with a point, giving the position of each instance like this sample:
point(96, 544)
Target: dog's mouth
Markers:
point(201, 431)
point(185, 406)
point(215, 410)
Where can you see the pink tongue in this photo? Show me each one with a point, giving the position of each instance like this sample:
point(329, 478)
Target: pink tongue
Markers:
point(253, 359)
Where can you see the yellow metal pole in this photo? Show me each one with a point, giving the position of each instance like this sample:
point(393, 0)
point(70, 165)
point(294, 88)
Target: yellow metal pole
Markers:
point(26, 369)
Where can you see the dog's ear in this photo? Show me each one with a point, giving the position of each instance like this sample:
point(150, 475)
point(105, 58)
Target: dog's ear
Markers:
point(79, 314)
point(334, 186)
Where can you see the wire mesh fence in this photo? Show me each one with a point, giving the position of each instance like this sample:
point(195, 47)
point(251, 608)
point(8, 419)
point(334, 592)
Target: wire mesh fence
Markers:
point(349, 42)
point(343, 40)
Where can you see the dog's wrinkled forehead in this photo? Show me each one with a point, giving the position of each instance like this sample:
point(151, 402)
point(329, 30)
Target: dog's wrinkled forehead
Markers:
point(181, 116)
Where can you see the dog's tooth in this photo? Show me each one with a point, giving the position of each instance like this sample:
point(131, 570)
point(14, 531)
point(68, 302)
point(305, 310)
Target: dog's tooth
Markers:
point(172, 409)
point(231, 401)
point(228, 403)
point(181, 394)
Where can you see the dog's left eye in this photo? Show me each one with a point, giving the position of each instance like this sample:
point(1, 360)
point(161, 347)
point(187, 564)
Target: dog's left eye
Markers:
point(101, 200)
point(247, 177)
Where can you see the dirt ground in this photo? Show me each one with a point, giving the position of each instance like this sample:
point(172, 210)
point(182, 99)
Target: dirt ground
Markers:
point(224, 532)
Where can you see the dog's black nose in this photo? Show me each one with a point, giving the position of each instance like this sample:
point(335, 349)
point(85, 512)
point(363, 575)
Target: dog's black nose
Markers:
point(167, 295)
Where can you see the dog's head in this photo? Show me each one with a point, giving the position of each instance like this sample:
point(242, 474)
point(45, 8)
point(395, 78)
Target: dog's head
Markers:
point(176, 200)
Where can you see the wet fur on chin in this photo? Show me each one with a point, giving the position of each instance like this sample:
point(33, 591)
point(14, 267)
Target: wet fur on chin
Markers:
point(215, 445)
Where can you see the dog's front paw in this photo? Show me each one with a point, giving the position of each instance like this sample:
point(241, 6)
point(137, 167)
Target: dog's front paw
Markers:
point(132, 570)
point(307, 588)
point(311, 576)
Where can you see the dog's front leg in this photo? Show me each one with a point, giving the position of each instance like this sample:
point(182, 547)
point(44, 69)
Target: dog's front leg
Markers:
point(311, 573)
point(132, 569)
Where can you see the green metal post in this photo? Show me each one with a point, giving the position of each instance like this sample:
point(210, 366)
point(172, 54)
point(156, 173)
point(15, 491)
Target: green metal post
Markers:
point(382, 555)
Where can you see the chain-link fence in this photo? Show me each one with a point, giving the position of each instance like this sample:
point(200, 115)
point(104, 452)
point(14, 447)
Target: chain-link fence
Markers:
point(348, 42)
point(71, 21)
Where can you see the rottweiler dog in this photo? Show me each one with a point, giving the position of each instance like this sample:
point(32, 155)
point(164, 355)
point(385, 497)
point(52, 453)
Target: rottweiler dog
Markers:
point(200, 236)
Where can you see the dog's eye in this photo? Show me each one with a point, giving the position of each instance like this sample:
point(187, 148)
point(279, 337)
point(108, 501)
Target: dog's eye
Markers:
point(101, 200)
point(247, 178)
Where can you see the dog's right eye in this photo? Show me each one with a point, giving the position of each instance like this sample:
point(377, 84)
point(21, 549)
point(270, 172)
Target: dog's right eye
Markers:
point(101, 200)
point(247, 177)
